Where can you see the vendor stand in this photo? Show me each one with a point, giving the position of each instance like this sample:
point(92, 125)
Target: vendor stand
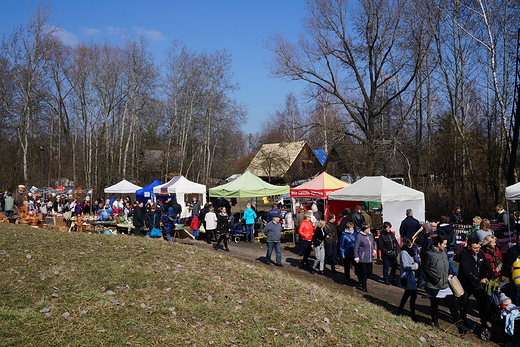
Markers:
point(319, 188)
point(247, 185)
point(395, 198)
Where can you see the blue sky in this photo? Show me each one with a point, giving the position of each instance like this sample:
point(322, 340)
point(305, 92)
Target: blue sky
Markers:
point(239, 26)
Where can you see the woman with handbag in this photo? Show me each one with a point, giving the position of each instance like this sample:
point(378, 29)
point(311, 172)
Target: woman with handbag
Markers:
point(437, 272)
point(407, 277)
point(387, 244)
point(364, 254)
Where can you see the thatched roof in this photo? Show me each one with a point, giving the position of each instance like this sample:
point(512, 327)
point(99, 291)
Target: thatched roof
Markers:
point(285, 160)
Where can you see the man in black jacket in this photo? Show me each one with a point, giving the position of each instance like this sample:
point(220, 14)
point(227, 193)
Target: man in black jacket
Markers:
point(138, 218)
point(472, 261)
point(356, 218)
point(409, 225)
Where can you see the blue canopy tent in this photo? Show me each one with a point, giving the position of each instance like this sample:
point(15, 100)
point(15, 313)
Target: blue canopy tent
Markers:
point(146, 193)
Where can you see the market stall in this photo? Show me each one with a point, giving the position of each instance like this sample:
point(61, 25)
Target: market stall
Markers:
point(181, 186)
point(394, 197)
point(319, 188)
point(512, 193)
point(247, 186)
point(123, 187)
point(146, 193)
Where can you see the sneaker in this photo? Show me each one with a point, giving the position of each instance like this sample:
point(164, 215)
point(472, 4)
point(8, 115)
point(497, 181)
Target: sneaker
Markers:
point(280, 265)
point(388, 283)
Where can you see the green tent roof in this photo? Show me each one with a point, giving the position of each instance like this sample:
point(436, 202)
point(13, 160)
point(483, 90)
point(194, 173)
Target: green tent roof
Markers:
point(246, 186)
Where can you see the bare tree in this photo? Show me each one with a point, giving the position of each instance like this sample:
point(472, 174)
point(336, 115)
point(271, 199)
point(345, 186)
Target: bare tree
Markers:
point(354, 53)
point(25, 53)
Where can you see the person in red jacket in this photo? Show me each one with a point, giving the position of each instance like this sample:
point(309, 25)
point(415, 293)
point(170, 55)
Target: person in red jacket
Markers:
point(195, 225)
point(306, 230)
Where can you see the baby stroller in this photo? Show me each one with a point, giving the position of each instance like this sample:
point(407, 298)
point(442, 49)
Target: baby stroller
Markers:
point(236, 230)
point(495, 315)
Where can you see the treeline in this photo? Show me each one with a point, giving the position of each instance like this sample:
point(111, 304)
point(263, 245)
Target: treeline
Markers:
point(404, 88)
point(98, 112)
point(415, 89)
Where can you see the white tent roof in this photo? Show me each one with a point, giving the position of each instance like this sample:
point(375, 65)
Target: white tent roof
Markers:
point(395, 198)
point(180, 185)
point(123, 187)
point(376, 188)
point(513, 192)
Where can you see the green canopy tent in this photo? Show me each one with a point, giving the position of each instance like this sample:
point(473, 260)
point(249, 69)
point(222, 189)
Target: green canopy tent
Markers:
point(246, 186)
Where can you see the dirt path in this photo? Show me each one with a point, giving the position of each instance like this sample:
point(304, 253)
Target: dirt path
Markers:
point(378, 293)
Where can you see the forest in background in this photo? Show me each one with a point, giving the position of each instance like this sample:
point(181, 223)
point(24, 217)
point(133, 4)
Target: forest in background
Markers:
point(412, 89)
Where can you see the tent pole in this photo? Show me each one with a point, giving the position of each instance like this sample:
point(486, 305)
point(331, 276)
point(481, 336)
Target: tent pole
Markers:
point(508, 221)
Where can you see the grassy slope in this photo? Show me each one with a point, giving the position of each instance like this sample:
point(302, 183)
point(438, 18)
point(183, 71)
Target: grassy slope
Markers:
point(174, 294)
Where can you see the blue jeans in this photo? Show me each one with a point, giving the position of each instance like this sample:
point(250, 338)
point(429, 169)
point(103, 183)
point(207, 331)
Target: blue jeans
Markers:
point(276, 246)
point(195, 233)
point(453, 268)
point(250, 232)
point(386, 264)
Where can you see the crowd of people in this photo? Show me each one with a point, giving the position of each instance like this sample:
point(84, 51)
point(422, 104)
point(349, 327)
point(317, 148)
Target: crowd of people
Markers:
point(425, 254)
point(427, 260)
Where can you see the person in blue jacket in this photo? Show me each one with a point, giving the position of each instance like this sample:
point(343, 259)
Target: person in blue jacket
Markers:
point(249, 218)
point(346, 249)
point(168, 220)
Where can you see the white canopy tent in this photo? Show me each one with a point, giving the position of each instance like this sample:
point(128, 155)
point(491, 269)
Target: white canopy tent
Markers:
point(123, 187)
point(513, 192)
point(181, 186)
point(394, 197)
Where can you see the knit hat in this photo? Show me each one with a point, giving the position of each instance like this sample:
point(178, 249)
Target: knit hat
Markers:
point(503, 298)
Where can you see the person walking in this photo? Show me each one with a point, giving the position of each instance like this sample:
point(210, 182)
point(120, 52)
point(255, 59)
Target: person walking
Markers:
point(407, 277)
point(437, 271)
point(472, 270)
point(306, 230)
point(346, 249)
point(318, 244)
point(249, 217)
point(222, 228)
point(364, 255)
point(168, 220)
point(273, 231)
point(387, 244)
point(210, 218)
point(331, 243)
